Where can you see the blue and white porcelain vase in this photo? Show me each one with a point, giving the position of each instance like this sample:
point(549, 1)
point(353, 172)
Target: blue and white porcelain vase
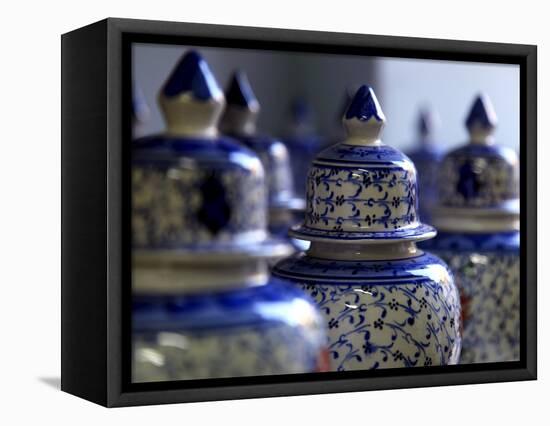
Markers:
point(204, 304)
point(427, 156)
point(302, 141)
point(239, 121)
point(386, 303)
point(478, 220)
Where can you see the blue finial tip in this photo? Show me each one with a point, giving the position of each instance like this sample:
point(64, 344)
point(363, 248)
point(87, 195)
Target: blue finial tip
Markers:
point(192, 75)
point(300, 110)
point(240, 92)
point(482, 114)
point(365, 106)
point(426, 122)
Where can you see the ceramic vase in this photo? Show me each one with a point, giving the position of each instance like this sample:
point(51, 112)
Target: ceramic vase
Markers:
point(240, 122)
point(204, 303)
point(427, 156)
point(302, 141)
point(478, 216)
point(386, 303)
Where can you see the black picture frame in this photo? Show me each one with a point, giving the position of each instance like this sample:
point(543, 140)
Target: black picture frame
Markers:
point(95, 202)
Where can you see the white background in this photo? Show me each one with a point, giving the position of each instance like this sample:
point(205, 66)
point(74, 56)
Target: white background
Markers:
point(30, 212)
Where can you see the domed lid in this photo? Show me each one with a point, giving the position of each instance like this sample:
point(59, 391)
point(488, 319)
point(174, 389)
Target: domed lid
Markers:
point(239, 121)
point(362, 190)
point(196, 193)
point(479, 182)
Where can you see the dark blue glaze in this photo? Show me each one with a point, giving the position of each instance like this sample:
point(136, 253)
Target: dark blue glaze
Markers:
point(264, 305)
point(305, 268)
point(159, 148)
point(300, 111)
point(481, 113)
point(381, 154)
point(239, 92)
point(364, 106)
point(468, 242)
point(193, 75)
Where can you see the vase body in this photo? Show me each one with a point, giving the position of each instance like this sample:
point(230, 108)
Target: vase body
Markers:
point(427, 160)
point(386, 303)
point(204, 305)
point(478, 221)
point(261, 330)
point(486, 271)
point(382, 313)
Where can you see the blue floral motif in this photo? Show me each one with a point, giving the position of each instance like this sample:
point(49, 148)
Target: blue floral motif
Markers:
point(366, 196)
point(486, 271)
point(382, 314)
point(378, 154)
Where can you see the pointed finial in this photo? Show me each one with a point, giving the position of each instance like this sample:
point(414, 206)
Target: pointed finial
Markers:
point(481, 120)
point(428, 120)
point(241, 113)
point(192, 75)
point(191, 99)
point(364, 119)
point(240, 93)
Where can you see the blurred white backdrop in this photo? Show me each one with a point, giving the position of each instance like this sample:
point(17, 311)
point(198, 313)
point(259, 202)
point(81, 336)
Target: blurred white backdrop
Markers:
point(30, 214)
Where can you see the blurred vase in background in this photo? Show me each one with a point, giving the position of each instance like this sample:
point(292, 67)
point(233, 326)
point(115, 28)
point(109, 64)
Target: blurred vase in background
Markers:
point(204, 304)
point(302, 141)
point(478, 223)
point(386, 303)
point(427, 156)
point(239, 122)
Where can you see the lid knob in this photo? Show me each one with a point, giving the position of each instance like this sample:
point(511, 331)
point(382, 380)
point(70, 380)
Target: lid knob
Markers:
point(241, 114)
point(481, 120)
point(191, 99)
point(427, 122)
point(364, 119)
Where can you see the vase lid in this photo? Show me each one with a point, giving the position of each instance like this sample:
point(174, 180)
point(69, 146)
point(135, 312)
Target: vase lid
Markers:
point(198, 194)
point(361, 190)
point(479, 181)
point(239, 121)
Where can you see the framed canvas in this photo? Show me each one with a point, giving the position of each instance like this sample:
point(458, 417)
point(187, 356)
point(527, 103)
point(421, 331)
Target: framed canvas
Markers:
point(204, 260)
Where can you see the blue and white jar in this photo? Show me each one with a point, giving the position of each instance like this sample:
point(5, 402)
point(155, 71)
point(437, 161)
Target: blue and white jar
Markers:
point(386, 303)
point(302, 141)
point(427, 156)
point(204, 304)
point(478, 216)
point(239, 121)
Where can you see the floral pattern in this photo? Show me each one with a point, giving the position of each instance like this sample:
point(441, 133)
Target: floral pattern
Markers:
point(489, 285)
point(359, 199)
point(383, 314)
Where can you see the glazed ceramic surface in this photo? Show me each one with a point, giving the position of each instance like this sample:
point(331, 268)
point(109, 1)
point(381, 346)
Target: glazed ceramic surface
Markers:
point(486, 270)
point(302, 143)
point(386, 303)
point(239, 121)
point(203, 303)
point(427, 157)
point(382, 314)
point(269, 329)
point(478, 216)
